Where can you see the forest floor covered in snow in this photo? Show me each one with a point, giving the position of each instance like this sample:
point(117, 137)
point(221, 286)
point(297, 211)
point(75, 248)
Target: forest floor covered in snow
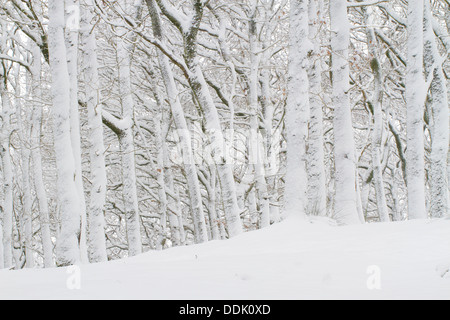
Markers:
point(286, 261)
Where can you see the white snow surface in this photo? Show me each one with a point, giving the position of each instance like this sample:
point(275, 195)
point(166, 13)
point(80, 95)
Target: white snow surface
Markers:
point(290, 260)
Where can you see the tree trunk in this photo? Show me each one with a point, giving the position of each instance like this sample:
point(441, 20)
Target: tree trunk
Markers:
point(176, 214)
point(96, 219)
point(438, 100)
point(126, 140)
point(415, 99)
point(378, 122)
point(256, 154)
point(72, 35)
point(213, 126)
point(67, 250)
point(26, 215)
point(317, 191)
point(41, 194)
point(345, 211)
point(297, 110)
point(7, 176)
point(201, 234)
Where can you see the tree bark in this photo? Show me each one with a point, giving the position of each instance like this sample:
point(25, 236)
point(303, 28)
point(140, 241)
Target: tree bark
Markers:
point(438, 99)
point(183, 132)
point(415, 99)
point(7, 255)
point(378, 122)
point(96, 219)
point(345, 207)
point(297, 110)
point(67, 250)
point(72, 26)
point(317, 190)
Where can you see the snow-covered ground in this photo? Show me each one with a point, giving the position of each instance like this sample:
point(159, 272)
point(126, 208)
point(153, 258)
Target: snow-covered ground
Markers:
point(286, 261)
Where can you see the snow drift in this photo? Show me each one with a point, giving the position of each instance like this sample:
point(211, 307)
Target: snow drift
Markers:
point(290, 260)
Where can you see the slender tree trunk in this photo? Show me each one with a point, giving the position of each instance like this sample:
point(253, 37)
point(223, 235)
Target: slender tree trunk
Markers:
point(378, 122)
point(213, 218)
point(163, 199)
point(345, 211)
point(96, 219)
point(36, 157)
point(359, 204)
point(72, 34)
point(184, 135)
point(27, 208)
point(365, 190)
point(271, 164)
point(41, 194)
point(127, 150)
point(297, 110)
point(68, 251)
point(26, 216)
point(169, 200)
point(256, 153)
point(395, 198)
point(415, 99)
point(447, 22)
point(438, 100)
point(7, 175)
point(176, 214)
point(317, 191)
point(213, 126)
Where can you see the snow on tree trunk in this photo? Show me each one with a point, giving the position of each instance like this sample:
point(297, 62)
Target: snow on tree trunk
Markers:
point(415, 99)
point(126, 139)
point(176, 214)
point(365, 190)
point(297, 110)
point(395, 198)
point(212, 123)
point(67, 250)
point(359, 204)
point(72, 9)
point(7, 175)
point(447, 21)
point(35, 151)
point(345, 207)
point(269, 146)
point(163, 198)
point(438, 100)
point(96, 219)
point(26, 216)
point(41, 194)
point(378, 123)
point(317, 191)
point(256, 153)
point(169, 200)
point(213, 218)
point(184, 135)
